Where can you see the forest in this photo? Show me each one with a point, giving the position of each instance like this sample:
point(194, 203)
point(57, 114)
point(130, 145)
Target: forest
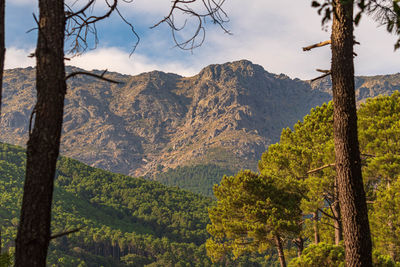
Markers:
point(292, 203)
point(125, 221)
point(122, 221)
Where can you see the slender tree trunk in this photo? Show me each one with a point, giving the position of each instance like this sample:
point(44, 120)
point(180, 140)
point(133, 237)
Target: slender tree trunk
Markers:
point(337, 215)
point(2, 46)
point(316, 228)
point(279, 247)
point(348, 164)
point(392, 246)
point(338, 226)
point(43, 145)
point(300, 246)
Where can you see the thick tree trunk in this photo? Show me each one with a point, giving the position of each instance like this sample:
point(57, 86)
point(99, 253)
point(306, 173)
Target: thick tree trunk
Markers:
point(43, 145)
point(279, 248)
point(348, 165)
point(316, 228)
point(2, 46)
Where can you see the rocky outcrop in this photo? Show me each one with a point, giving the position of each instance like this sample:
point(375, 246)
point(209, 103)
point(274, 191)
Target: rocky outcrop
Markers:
point(227, 115)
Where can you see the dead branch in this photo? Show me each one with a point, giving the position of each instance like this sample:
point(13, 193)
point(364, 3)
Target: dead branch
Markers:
point(308, 48)
point(213, 11)
point(79, 26)
point(327, 214)
point(101, 77)
point(320, 77)
point(66, 233)
point(70, 14)
point(321, 168)
point(323, 71)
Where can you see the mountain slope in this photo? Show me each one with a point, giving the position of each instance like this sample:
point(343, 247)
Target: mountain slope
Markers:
point(226, 115)
point(125, 219)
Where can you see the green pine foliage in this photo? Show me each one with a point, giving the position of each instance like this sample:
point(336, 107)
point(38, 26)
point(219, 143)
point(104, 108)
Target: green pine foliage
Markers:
point(303, 163)
point(252, 211)
point(322, 254)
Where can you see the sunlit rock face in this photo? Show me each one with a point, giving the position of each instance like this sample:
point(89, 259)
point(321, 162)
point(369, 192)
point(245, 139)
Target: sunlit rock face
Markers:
point(226, 115)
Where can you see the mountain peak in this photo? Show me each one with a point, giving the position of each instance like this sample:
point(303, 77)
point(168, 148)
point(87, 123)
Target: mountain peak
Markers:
point(230, 69)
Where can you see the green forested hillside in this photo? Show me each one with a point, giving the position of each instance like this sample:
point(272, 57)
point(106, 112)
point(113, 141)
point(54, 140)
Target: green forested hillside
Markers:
point(127, 221)
point(198, 178)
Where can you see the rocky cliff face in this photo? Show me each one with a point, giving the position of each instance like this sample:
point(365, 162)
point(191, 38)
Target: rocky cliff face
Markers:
point(227, 115)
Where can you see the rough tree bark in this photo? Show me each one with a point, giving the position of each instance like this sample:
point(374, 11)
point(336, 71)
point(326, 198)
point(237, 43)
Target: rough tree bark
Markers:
point(43, 145)
point(348, 164)
point(2, 46)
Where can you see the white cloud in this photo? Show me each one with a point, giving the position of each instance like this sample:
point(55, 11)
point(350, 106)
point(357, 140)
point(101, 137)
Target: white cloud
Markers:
point(117, 60)
point(18, 58)
point(272, 34)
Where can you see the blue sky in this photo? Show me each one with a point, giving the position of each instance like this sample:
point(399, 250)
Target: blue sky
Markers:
point(267, 32)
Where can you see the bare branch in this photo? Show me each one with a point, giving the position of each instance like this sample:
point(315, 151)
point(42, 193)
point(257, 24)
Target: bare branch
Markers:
point(132, 29)
point(79, 26)
point(66, 233)
point(321, 168)
point(101, 77)
point(326, 214)
point(82, 11)
point(324, 43)
point(320, 77)
point(323, 71)
point(213, 11)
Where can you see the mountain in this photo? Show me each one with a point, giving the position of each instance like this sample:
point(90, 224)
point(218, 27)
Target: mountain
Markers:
point(226, 115)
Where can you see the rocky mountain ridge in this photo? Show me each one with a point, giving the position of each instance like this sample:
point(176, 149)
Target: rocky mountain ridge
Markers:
point(226, 115)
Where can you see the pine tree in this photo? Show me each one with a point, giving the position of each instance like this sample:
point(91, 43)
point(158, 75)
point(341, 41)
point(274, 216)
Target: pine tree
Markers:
point(253, 213)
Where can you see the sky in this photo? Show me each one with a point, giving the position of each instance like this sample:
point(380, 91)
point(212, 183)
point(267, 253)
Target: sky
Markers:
point(270, 33)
